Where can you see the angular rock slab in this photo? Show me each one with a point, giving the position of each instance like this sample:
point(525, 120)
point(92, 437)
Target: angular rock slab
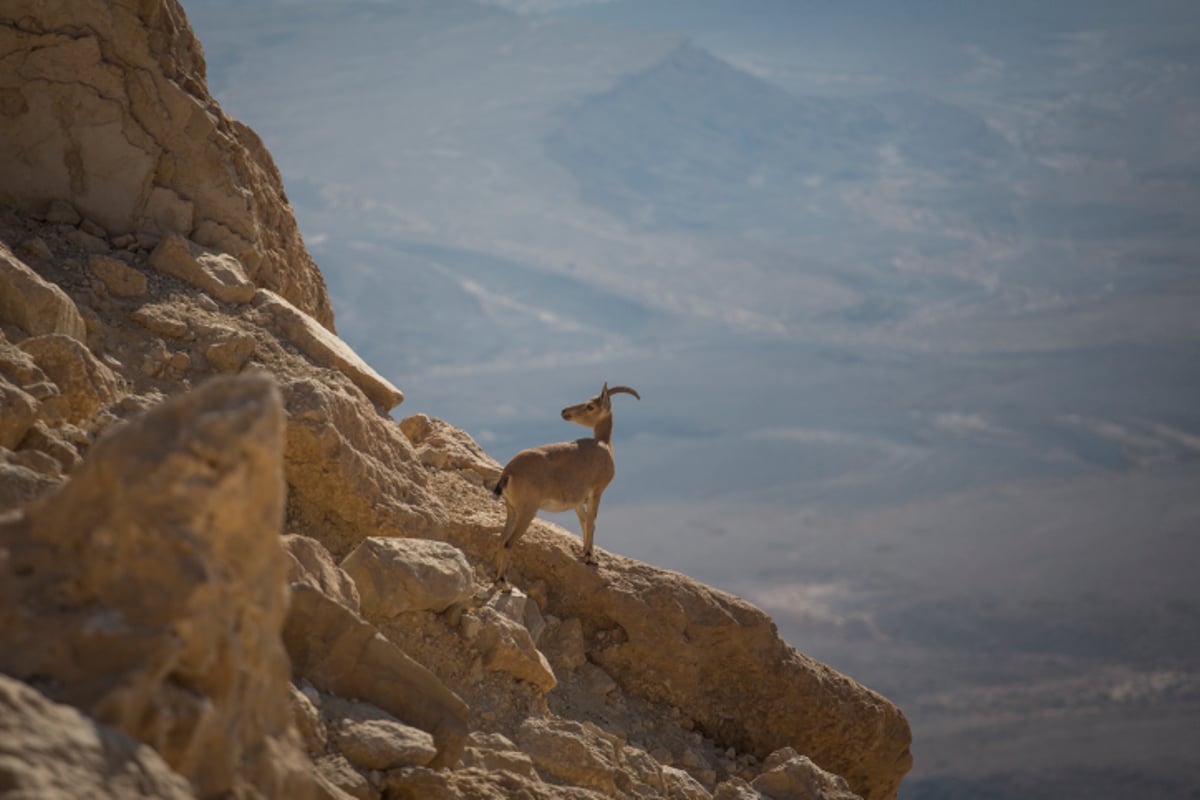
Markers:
point(397, 575)
point(341, 653)
point(150, 590)
point(326, 349)
point(217, 274)
point(34, 305)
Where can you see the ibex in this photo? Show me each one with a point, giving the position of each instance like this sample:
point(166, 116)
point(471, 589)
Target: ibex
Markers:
point(556, 477)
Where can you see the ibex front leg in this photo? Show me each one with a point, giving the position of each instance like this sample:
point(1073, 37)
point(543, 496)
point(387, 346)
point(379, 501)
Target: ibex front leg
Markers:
point(587, 521)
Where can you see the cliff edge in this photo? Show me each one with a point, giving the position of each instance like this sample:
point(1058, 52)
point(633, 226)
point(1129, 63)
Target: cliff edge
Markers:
point(226, 571)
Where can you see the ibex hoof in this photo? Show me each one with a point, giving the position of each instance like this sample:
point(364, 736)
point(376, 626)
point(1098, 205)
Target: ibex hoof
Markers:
point(590, 560)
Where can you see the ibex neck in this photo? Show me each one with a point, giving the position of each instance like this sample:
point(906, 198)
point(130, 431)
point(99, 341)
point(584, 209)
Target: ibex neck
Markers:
point(603, 431)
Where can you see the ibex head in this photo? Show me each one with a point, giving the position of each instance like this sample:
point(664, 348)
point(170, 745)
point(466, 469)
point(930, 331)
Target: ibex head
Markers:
point(589, 414)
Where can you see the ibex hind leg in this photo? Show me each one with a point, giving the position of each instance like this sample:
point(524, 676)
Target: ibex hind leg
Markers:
point(514, 525)
point(589, 529)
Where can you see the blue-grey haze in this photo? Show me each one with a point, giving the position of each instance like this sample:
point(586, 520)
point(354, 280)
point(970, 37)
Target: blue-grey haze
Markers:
point(911, 291)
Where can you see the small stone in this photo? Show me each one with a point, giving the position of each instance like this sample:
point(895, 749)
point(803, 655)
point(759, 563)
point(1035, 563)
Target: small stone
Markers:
point(117, 277)
point(62, 213)
point(36, 247)
point(89, 227)
point(86, 241)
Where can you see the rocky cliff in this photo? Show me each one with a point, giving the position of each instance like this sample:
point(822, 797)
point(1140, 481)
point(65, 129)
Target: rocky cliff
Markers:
point(226, 571)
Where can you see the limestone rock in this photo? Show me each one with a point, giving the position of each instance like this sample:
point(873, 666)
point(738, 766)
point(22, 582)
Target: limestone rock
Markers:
point(398, 575)
point(494, 751)
point(86, 384)
point(218, 274)
point(370, 738)
point(577, 753)
point(351, 472)
point(162, 319)
point(520, 608)
point(441, 445)
point(18, 412)
point(107, 114)
point(790, 776)
point(51, 751)
point(680, 785)
point(43, 439)
point(735, 789)
point(230, 351)
point(32, 304)
point(312, 565)
point(564, 644)
point(686, 645)
point(21, 483)
point(339, 773)
point(118, 277)
point(159, 569)
point(506, 645)
point(342, 654)
point(308, 721)
point(326, 349)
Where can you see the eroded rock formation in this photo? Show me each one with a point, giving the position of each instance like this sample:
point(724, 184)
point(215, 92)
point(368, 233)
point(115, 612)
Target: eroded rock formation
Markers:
point(107, 119)
point(225, 570)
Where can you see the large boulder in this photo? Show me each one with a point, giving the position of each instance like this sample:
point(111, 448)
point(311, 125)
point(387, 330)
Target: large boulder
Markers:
point(32, 304)
point(351, 472)
point(106, 111)
point(398, 575)
point(150, 590)
point(51, 751)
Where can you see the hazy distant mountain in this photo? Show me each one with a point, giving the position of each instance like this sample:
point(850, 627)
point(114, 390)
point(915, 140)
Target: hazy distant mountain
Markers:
point(694, 144)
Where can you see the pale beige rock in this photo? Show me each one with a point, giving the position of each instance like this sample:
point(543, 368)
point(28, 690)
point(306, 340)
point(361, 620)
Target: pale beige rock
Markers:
point(220, 275)
point(50, 751)
point(159, 569)
point(735, 789)
point(86, 384)
point(398, 575)
point(18, 412)
point(520, 608)
point(352, 473)
point(107, 112)
point(42, 438)
point(326, 349)
point(118, 277)
point(342, 654)
point(680, 785)
point(441, 445)
point(313, 565)
point(33, 304)
point(506, 645)
point(231, 351)
point(307, 719)
point(683, 644)
point(370, 738)
point(162, 319)
point(573, 752)
point(338, 772)
point(494, 751)
point(20, 483)
point(790, 776)
point(564, 644)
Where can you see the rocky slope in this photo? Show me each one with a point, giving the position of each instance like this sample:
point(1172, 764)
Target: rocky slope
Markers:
point(225, 570)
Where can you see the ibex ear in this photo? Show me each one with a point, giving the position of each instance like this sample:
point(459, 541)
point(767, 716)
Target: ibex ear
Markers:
point(604, 391)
